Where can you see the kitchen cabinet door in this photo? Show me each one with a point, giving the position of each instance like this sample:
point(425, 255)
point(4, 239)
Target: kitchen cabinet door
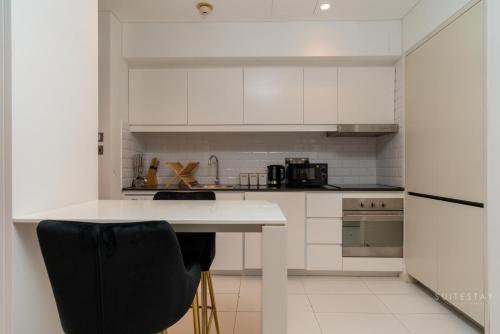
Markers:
point(324, 205)
point(458, 76)
point(366, 95)
point(421, 126)
point(445, 112)
point(324, 257)
point(158, 96)
point(229, 246)
point(215, 96)
point(421, 240)
point(320, 95)
point(324, 231)
point(461, 258)
point(293, 206)
point(273, 95)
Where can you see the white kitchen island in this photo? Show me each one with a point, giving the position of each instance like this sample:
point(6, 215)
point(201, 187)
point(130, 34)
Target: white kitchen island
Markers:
point(195, 216)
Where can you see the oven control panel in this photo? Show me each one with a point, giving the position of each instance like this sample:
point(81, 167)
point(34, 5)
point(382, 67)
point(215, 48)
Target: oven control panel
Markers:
point(375, 204)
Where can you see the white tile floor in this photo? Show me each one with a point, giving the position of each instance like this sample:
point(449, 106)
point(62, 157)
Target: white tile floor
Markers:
point(334, 305)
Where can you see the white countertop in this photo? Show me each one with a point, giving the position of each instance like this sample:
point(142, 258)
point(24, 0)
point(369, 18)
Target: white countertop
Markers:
point(234, 215)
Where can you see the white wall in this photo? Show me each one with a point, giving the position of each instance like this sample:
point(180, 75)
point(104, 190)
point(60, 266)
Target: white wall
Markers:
point(2, 175)
point(262, 39)
point(493, 158)
point(54, 137)
point(113, 104)
point(4, 142)
point(427, 16)
point(54, 103)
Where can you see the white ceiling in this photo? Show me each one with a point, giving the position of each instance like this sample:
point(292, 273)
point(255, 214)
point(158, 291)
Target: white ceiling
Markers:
point(257, 10)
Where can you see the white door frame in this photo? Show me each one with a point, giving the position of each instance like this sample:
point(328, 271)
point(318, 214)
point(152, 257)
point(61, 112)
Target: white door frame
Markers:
point(2, 175)
point(5, 149)
point(493, 161)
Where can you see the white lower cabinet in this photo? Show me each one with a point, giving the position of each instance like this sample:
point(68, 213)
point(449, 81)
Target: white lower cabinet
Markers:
point(324, 257)
point(421, 240)
point(293, 206)
point(253, 246)
point(324, 205)
point(461, 258)
point(324, 230)
point(315, 236)
point(229, 246)
point(445, 251)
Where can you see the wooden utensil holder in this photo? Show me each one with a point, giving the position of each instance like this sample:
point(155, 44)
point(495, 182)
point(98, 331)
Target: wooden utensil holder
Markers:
point(183, 174)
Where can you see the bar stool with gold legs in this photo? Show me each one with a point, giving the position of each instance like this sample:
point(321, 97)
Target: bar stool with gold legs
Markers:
point(199, 247)
point(102, 283)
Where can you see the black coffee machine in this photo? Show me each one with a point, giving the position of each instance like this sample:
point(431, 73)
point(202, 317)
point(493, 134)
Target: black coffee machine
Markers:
point(275, 175)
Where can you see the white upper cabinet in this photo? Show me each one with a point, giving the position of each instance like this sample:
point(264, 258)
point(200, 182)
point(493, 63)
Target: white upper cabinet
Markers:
point(366, 95)
point(445, 112)
point(262, 97)
point(320, 95)
point(215, 96)
point(274, 95)
point(158, 96)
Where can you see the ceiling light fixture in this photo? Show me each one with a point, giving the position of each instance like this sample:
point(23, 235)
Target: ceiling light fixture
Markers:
point(205, 8)
point(325, 6)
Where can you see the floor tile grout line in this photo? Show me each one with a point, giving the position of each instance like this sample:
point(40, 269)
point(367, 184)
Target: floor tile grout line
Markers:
point(387, 307)
point(311, 306)
point(237, 303)
point(391, 312)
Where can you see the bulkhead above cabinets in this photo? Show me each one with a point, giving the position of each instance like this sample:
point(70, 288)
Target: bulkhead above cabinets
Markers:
point(259, 98)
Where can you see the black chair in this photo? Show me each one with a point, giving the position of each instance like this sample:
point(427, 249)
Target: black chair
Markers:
point(198, 247)
point(117, 278)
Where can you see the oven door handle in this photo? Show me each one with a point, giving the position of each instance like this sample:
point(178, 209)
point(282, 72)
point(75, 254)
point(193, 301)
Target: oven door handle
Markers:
point(373, 218)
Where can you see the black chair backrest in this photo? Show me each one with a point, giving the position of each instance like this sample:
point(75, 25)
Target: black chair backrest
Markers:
point(185, 196)
point(116, 278)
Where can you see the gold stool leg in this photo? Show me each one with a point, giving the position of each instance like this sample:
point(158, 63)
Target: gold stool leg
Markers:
point(204, 308)
point(212, 299)
point(196, 314)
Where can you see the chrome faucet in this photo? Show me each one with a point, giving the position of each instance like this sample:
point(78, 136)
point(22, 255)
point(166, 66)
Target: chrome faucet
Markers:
point(210, 162)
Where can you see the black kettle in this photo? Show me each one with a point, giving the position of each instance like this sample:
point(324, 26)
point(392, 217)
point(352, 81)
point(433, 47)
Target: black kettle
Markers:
point(275, 175)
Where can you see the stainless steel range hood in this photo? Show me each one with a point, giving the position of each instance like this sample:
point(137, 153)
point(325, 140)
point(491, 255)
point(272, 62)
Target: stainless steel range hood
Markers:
point(363, 130)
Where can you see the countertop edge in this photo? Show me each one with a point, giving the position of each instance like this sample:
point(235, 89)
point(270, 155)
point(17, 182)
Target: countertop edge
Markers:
point(394, 189)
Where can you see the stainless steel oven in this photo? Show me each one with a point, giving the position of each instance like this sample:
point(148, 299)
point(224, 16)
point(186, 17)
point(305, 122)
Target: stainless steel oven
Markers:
point(372, 227)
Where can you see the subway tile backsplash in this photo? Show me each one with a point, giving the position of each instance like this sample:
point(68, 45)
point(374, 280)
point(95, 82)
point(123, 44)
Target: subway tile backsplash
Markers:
point(390, 148)
point(350, 160)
